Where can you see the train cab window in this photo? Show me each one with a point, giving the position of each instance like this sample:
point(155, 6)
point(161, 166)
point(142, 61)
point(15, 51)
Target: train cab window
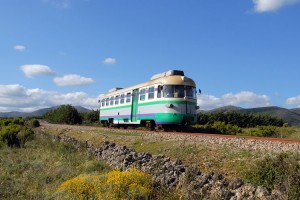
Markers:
point(128, 97)
point(122, 99)
point(142, 94)
point(159, 89)
point(151, 93)
point(117, 100)
point(107, 102)
point(190, 92)
point(102, 102)
point(111, 101)
point(174, 91)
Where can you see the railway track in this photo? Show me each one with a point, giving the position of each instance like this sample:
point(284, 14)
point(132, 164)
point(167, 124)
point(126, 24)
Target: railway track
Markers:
point(270, 139)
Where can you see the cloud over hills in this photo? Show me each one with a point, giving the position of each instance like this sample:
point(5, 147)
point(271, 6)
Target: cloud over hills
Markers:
point(261, 6)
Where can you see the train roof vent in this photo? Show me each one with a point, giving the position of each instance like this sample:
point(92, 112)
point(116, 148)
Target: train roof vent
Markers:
point(114, 89)
point(168, 73)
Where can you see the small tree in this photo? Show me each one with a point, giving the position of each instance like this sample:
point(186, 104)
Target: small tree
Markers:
point(65, 114)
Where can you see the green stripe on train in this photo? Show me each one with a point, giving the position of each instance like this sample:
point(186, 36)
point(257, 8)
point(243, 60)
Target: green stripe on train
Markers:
point(150, 103)
point(160, 117)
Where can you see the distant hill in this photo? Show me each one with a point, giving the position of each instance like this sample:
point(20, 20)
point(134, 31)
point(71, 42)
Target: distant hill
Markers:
point(38, 113)
point(291, 116)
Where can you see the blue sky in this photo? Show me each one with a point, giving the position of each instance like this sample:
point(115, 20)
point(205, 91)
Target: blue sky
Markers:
point(243, 53)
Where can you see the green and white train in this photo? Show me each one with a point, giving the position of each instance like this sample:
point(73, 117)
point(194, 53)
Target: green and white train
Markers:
point(167, 100)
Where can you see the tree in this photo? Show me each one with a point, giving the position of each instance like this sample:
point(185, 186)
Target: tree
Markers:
point(65, 114)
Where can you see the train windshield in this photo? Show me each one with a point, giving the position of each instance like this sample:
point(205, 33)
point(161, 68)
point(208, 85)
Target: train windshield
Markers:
point(179, 91)
point(190, 92)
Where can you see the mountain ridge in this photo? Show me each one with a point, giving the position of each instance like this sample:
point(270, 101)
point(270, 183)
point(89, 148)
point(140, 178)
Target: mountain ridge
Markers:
point(37, 113)
point(291, 116)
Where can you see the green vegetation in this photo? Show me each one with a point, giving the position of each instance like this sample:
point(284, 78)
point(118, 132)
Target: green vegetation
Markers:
point(281, 171)
point(239, 119)
point(131, 184)
point(65, 114)
point(236, 123)
point(36, 171)
point(91, 117)
point(14, 133)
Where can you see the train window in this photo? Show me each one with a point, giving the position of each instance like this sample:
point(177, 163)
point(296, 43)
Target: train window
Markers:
point(159, 89)
point(111, 101)
point(102, 102)
point(142, 94)
point(190, 92)
point(122, 99)
point(174, 91)
point(128, 97)
point(151, 93)
point(107, 102)
point(117, 100)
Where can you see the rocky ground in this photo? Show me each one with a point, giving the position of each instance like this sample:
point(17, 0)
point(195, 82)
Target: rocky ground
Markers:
point(189, 179)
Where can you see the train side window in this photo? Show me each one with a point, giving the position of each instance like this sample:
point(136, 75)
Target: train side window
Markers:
point(151, 93)
point(128, 97)
point(107, 102)
point(159, 89)
point(102, 102)
point(117, 100)
point(111, 101)
point(122, 99)
point(142, 94)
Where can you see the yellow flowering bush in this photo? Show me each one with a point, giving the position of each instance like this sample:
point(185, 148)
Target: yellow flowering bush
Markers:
point(132, 184)
point(81, 187)
point(129, 185)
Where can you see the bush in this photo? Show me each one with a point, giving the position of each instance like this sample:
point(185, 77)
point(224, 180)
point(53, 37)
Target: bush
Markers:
point(281, 171)
point(15, 135)
point(263, 131)
point(219, 128)
point(92, 116)
point(131, 184)
point(65, 114)
point(33, 123)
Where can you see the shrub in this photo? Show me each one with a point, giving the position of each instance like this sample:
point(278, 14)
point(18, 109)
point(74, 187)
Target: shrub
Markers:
point(33, 123)
point(81, 187)
point(9, 135)
point(131, 184)
point(92, 116)
point(65, 114)
point(15, 135)
point(281, 171)
point(263, 131)
point(218, 127)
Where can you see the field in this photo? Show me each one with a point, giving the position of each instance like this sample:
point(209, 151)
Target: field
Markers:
point(37, 170)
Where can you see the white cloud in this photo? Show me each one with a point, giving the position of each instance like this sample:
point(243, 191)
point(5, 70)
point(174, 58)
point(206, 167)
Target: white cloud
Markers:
point(60, 3)
point(110, 61)
point(19, 48)
point(293, 101)
point(72, 79)
point(18, 98)
point(243, 99)
point(271, 5)
point(35, 70)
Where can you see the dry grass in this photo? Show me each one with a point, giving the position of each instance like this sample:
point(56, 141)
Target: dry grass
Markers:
point(216, 158)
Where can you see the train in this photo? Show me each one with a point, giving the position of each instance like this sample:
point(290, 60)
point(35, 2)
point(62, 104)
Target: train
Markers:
point(168, 100)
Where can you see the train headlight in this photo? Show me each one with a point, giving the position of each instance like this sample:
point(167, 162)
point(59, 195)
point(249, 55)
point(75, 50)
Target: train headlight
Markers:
point(170, 105)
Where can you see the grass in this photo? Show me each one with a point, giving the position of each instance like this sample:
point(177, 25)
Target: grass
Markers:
point(37, 170)
point(217, 158)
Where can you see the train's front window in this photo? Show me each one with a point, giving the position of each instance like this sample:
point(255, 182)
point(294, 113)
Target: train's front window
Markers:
point(179, 91)
point(173, 91)
point(190, 92)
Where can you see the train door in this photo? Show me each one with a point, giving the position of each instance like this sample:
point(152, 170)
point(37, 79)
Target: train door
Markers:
point(134, 105)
